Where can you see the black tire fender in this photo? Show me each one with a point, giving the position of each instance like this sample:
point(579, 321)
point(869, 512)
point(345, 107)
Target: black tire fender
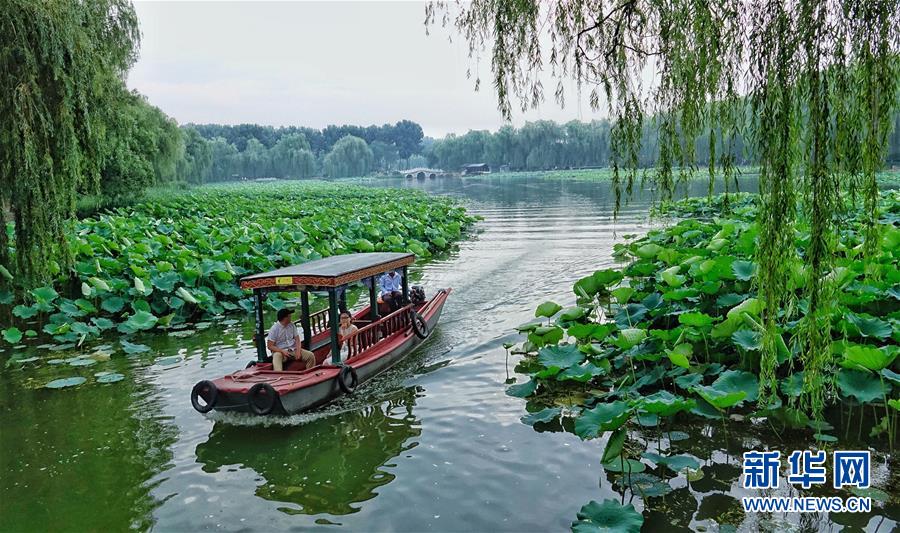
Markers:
point(261, 398)
point(347, 379)
point(419, 326)
point(207, 390)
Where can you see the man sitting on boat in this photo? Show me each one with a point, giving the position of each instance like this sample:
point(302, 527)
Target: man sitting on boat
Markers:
point(284, 342)
point(390, 284)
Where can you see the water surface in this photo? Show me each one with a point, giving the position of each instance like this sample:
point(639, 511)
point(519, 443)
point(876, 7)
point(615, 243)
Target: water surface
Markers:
point(434, 444)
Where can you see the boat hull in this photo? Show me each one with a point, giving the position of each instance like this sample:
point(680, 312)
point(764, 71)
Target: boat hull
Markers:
point(299, 391)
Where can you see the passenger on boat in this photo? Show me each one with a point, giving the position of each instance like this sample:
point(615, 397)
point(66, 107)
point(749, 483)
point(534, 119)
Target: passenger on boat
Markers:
point(284, 343)
point(346, 328)
point(390, 284)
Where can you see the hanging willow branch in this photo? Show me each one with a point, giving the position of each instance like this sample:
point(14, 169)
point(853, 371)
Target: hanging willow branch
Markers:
point(812, 84)
point(59, 61)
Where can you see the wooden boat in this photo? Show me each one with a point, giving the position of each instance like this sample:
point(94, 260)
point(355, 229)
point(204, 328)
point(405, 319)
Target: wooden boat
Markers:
point(383, 338)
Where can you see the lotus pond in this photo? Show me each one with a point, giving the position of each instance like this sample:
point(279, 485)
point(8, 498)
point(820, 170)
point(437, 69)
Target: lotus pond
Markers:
point(436, 444)
point(174, 260)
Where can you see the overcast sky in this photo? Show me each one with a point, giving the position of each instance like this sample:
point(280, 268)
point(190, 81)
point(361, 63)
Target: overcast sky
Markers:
point(315, 64)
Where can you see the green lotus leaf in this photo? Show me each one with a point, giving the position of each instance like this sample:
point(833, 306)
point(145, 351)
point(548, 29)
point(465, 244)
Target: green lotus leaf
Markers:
point(672, 277)
point(168, 361)
point(82, 361)
point(729, 300)
point(697, 320)
point(652, 301)
point(522, 390)
point(863, 386)
point(86, 290)
point(132, 349)
point(545, 415)
point(141, 320)
point(869, 326)
point(676, 463)
point(738, 380)
point(364, 245)
point(607, 278)
point(718, 398)
point(113, 304)
point(792, 386)
point(544, 335)
point(680, 294)
point(680, 355)
point(688, 381)
point(603, 417)
point(44, 294)
point(185, 295)
point(547, 309)
point(622, 294)
point(12, 335)
point(65, 382)
point(676, 436)
point(570, 314)
point(609, 516)
point(25, 312)
point(630, 466)
point(747, 339)
point(648, 251)
point(562, 356)
point(822, 437)
point(581, 373)
point(99, 284)
point(586, 287)
point(869, 357)
point(743, 270)
point(664, 403)
point(590, 331)
point(614, 445)
point(630, 337)
point(891, 375)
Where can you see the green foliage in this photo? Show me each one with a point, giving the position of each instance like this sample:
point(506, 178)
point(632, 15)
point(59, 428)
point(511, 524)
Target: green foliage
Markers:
point(610, 516)
point(177, 258)
point(350, 156)
point(61, 68)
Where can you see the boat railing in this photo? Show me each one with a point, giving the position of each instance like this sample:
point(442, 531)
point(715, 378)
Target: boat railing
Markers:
point(365, 337)
point(318, 321)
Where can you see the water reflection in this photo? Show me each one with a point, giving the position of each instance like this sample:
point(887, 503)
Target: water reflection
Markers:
point(324, 466)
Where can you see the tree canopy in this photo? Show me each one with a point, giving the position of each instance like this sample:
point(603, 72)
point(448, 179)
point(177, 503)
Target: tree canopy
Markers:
point(819, 79)
point(350, 156)
point(61, 66)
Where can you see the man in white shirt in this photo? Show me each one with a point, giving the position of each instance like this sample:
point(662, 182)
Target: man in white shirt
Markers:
point(284, 343)
point(391, 284)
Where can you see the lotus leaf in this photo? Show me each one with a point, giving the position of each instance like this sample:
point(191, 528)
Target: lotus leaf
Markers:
point(547, 309)
point(891, 375)
point(630, 466)
point(622, 294)
point(869, 357)
point(676, 463)
point(65, 382)
point(12, 335)
point(738, 380)
point(131, 349)
point(719, 398)
point(664, 403)
point(545, 415)
point(869, 326)
point(747, 339)
point(522, 390)
point(648, 251)
point(571, 313)
point(680, 355)
point(113, 304)
point(863, 386)
point(614, 445)
point(25, 312)
point(581, 373)
point(562, 356)
point(609, 516)
point(603, 417)
point(590, 331)
point(688, 381)
point(630, 337)
point(672, 277)
point(110, 378)
point(743, 270)
point(792, 386)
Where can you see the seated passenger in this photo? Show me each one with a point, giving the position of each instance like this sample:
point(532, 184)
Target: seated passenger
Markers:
point(346, 327)
point(390, 284)
point(284, 343)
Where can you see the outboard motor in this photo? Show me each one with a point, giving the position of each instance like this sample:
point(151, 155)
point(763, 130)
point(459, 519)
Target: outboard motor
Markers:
point(417, 295)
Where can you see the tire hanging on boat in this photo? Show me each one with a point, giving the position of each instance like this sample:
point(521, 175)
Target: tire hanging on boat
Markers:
point(347, 385)
point(419, 326)
point(261, 398)
point(207, 390)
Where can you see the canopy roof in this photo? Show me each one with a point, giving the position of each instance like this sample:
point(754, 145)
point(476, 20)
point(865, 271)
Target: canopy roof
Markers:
point(330, 272)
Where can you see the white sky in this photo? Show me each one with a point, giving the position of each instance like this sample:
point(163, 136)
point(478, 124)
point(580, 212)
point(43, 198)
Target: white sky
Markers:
point(317, 63)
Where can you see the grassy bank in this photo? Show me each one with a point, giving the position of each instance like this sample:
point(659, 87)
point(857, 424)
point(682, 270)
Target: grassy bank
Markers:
point(176, 256)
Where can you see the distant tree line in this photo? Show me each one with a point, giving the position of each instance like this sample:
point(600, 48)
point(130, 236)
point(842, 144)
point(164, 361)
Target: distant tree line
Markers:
point(546, 145)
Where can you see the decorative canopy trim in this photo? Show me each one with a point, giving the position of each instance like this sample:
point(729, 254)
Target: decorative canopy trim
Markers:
point(330, 272)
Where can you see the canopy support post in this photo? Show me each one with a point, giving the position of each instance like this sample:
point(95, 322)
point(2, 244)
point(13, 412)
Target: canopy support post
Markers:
point(304, 318)
point(260, 327)
point(342, 298)
point(333, 324)
point(405, 282)
point(373, 300)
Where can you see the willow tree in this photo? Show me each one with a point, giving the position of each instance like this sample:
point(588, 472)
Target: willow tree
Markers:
point(60, 63)
point(810, 84)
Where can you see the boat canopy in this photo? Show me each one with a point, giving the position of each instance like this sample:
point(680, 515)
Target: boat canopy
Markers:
point(331, 274)
point(331, 271)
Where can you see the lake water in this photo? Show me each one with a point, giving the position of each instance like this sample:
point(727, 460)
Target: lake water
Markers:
point(433, 445)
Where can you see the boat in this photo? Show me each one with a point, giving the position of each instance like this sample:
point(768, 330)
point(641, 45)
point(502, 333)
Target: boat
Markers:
point(384, 337)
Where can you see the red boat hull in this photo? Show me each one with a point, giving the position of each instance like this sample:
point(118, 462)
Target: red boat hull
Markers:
point(301, 390)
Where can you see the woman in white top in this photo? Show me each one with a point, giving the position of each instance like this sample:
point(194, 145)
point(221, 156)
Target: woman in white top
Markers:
point(345, 328)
